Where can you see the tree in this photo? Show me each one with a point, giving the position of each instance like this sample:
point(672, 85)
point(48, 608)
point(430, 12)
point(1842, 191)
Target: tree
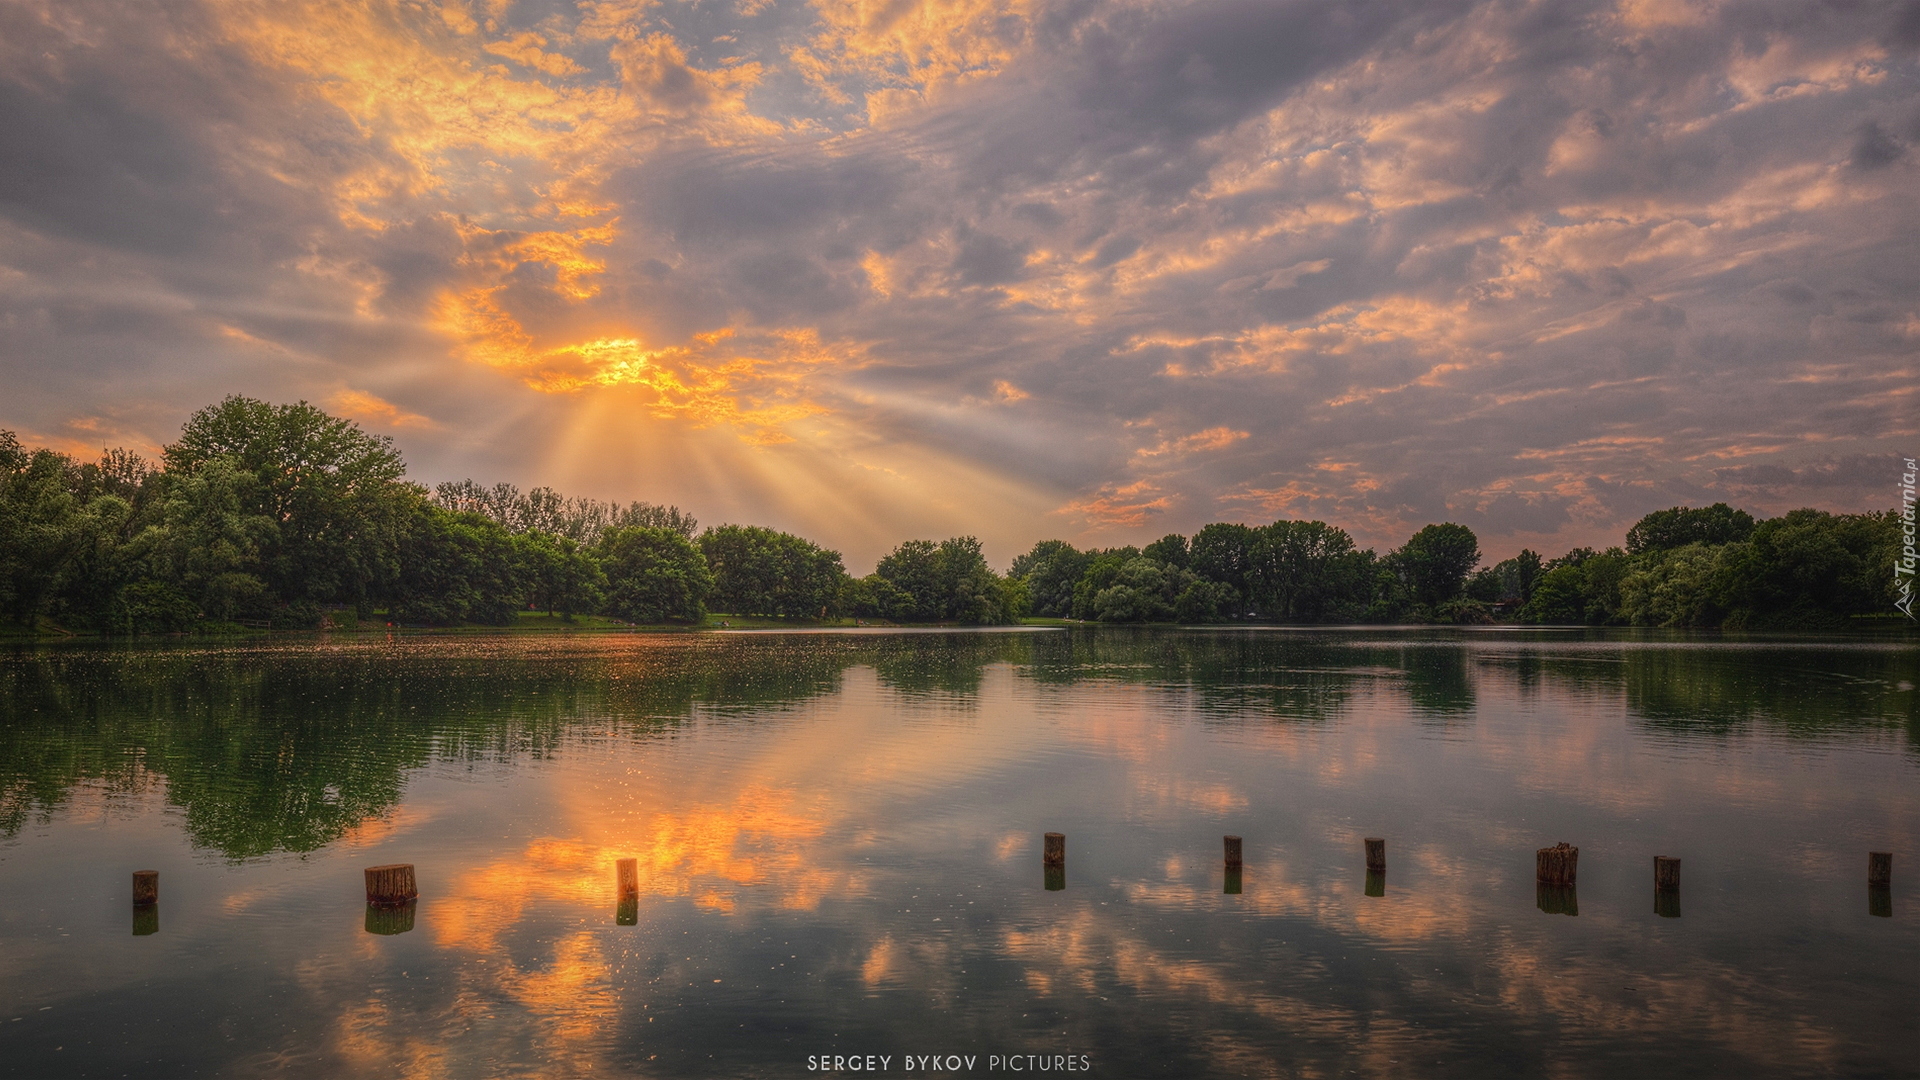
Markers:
point(561, 578)
point(1103, 569)
point(1143, 590)
point(1307, 571)
point(1169, 550)
point(1435, 562)
point(334, 493)
point(1672, 587)
point(1582, 586)
point(1147, 590)
point(948, 581)
point(546, 510)
point(1664, 530)
point(654, 575)
point(1807, 569)
point(758, 571)
point(1223, 552)
point(1051, 570)
point(456, 568)
point(38, 527)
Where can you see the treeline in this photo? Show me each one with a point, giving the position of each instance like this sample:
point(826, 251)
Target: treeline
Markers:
point(1684, 567)
point(283, 516)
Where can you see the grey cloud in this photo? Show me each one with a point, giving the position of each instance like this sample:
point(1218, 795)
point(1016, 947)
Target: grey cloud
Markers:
point(1875, 149)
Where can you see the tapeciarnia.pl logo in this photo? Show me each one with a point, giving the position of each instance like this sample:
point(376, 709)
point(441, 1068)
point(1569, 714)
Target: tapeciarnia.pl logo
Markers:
point(1903, 563)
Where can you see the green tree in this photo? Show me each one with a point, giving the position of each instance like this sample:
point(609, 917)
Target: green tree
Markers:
point(1664, 530)
point(1672, 587)
point(39, 528)
point(1582, 586)
point(208, 545)
point(948, 581)
point(456, 568)
point(561, 577)
point(1808, 569)
point(1103, 570)
point(1307, 571)
point(759, 571)
point(1143, 590)
point(333, 491)
point(1169, 550)
point(1435, 562)
point(654, 575)
point(1223, 552)
point(1051, 570)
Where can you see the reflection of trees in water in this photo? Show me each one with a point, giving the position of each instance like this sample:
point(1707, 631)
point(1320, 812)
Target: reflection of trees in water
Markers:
point(287, 748)
point(1230, 674)
point(1797, 691)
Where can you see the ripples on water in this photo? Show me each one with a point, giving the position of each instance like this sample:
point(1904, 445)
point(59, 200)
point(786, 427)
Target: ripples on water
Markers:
point(838, 840)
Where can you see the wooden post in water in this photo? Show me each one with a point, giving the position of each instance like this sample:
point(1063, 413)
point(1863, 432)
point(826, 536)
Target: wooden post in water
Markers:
point(1880, 884)
point(391, 885)
point(1054, 877)
point(1666, 886)
point(1556, 865)
point(1880, 869)
point(627, 891)
point(1233, 852)
point(1376, 853)
point(1666, 873)
point(1376, 882)
point(1055, 853)
point(1233, 882)
point(146, 888)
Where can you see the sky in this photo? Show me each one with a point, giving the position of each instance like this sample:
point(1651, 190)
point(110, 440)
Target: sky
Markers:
point(872, 271)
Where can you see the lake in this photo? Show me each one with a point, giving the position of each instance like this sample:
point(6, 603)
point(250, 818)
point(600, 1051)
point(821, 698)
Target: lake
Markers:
point(838, 841)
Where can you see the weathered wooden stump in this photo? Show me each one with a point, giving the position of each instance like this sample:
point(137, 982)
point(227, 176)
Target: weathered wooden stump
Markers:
point(1233, 852)
point(391, 886)
point(1055, 878)
point(1666, 903)
point(629, 875)
point(1376, 853)
point(1556, 899)
point(146, 920)
point(1880, 868)
point(1666, 873)
point(146, 887)
point(1055, 853)
point(1376, 882)
point(1556, 865)
point(389, 919)
point(1233, 880)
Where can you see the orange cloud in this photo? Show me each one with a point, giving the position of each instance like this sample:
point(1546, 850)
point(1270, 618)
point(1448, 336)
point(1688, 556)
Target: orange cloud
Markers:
point(1121, 506)
point(1213, 438)
point(376, 411)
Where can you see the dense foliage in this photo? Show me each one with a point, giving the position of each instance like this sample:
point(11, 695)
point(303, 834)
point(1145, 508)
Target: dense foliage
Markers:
point(283, 516)
point(1707, 567)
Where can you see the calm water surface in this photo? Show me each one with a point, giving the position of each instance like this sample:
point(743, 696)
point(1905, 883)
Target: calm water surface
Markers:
point(838, 838)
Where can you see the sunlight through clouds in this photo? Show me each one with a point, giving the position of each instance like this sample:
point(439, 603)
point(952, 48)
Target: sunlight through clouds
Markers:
point(1018, 254)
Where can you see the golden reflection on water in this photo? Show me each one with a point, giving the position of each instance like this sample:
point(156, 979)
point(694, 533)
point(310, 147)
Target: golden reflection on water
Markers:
point(770, 821)
point(862, 806)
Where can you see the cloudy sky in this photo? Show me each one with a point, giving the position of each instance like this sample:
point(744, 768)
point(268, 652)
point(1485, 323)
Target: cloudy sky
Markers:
point(1099, 271)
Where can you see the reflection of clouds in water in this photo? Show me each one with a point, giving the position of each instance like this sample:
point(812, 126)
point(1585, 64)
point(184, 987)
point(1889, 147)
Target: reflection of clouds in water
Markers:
point(853, 810)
